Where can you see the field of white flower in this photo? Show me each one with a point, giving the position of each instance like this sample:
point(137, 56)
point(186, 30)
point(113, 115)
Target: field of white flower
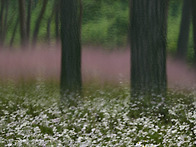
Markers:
point(30, 116)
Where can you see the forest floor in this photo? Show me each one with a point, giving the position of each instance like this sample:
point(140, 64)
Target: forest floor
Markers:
point(98, 64)
point(104, 116)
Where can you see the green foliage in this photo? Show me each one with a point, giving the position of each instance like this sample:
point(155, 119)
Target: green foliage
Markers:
point(92, 35)
point(91, 10)
point(173, 32)
point(175, 7)
point(105, 22)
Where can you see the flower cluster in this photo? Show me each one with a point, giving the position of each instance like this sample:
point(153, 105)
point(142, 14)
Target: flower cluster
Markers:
point(102, 119)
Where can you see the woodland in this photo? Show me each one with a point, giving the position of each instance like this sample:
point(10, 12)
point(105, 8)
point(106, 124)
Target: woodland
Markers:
point(98, 73)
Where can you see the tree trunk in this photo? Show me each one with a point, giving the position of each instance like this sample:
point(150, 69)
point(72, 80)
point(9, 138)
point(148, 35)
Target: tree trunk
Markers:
point(14, 32)
point(29, 19)
point(71, 48)
point(81, 13)
point(2, 2)
point(148, 46)
point(38, 22)
point(22, 22)
point(4, 33)
point(57, 12)
point(184, 30)
point(10, 18)
point(49, 23)
point(48, 30)
point(194, 26)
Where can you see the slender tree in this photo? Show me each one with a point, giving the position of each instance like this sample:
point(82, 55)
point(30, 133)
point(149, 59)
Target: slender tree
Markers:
point(194, 26)
point(29, 19)
point(2, 2)
point(10, 17)
point(71, 47)
point(22, 21)
point(49, 23)
point(48, 29)
point(184, 29)
point(14, 32)
point(38, 22)
point(148, 20)
point(57, 12)
point(5, 27)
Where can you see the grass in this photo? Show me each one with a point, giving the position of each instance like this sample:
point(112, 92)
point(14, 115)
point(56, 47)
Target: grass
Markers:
point(30, 116)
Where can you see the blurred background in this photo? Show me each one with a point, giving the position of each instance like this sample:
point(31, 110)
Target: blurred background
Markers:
point(104, 23)
point(34, 50)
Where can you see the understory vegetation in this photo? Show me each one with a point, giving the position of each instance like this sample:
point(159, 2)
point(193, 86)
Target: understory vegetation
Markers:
point(32, 111)
point(30, 116)
point(104, 23)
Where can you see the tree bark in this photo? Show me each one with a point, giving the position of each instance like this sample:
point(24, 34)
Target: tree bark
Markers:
point(194, 26)
point(38, 22)
point(148, 46)
point(14, 32)
point(2, 2)
point(29, 19)
point(49, 23)
point(71, 47)
point(57, 12)
point(10, 20)
point(81, 13)
point(22, 22)
point(5, 20)
point(184, 30)
point(48, 30)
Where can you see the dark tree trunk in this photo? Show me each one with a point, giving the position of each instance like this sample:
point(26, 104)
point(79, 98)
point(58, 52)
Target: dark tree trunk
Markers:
point(29, 19)
point(184, 30)
point(71, 47)
point(5, 20)
point(34, 4)
point(57, 12)
point(10, 17)
point(38, 22)
point(81, 13)
point(49, 24)
point(2, 2)
point(14, 32)
point(22, 22)
point(48, 30)
point(194, 26)
point(148, 46)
